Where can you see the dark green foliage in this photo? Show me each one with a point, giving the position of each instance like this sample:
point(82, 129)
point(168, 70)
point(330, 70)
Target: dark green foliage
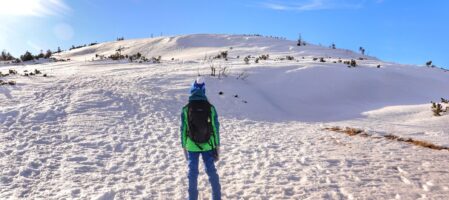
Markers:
point(437, 109)
point(322, 59)
point(353, 63)
point(223, 54)
point(40, 55)
point(156, 59)
point(378, 66)
point(27, 56)
point(264, 57)
point(135, 57)
point(362, 50)
point(120, 38)
point(257, 60)
point(77, 47)
point(48, 54)
point(315, 59)
point(45, 75)
point(429, 63)
point(246, 59)
point(37, 71)
point(12, 71)
point(289, 57)
point(59, 50)
point(7, 83)
point(6, 56)
point(333, 46)
point(443, 100)
point(300, 41)
point(116, 56)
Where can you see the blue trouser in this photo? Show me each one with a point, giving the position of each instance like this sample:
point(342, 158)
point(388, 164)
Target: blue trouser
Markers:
point(208, 159)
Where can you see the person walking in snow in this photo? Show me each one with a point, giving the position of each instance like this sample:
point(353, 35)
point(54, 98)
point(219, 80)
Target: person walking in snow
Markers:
point(200, 136)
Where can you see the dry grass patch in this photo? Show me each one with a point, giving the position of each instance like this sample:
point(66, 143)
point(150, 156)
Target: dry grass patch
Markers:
point(348, 131)
point(354, 131)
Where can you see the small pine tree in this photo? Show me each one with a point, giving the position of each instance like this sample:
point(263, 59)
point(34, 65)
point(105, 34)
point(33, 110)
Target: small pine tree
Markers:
point(362, 50)
point(353, 63)
point(437, 109)
point(41, 54)
point(246, 59)
point(6, 56)
point(27, 56)
point(299, 40)
point(12, 71)
point(48, 54)
point(224, 54)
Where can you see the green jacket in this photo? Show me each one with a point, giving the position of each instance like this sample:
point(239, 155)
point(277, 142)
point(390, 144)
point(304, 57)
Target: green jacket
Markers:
point(188, 144)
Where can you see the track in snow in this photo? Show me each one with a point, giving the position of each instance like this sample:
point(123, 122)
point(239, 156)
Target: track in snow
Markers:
point(111, 131)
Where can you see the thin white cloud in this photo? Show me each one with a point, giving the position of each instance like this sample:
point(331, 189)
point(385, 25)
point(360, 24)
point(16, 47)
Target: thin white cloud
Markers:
point(37, 8)
point(310, 5)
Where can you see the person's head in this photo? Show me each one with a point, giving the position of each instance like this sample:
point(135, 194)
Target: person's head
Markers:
point(198, 85)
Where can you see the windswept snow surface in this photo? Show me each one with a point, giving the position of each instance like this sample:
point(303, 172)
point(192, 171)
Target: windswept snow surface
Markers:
point(110, 129)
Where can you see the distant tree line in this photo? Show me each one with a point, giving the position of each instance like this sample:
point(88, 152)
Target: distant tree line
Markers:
point(27, 56)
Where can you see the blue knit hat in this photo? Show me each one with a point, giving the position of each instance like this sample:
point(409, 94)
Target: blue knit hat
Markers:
point(198, 85)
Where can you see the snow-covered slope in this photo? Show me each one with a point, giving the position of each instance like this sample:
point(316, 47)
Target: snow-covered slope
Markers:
point(110, 129)
point(191, 47)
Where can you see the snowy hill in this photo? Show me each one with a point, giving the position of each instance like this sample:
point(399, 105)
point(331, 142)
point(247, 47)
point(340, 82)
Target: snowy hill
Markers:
point(102, 129)
point(190, 47)
point(298, 90)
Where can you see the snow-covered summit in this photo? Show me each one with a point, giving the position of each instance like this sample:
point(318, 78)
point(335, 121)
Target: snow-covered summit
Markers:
point(197, 46)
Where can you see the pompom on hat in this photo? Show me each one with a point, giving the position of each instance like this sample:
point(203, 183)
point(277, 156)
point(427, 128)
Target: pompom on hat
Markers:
point(199, 84)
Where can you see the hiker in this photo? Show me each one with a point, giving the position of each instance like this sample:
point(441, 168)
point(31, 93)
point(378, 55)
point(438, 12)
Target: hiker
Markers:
point(200, 136)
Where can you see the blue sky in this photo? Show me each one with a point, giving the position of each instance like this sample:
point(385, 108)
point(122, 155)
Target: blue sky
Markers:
point(403, 31)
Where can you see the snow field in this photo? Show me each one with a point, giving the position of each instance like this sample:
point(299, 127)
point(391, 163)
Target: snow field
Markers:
point(110, 130)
